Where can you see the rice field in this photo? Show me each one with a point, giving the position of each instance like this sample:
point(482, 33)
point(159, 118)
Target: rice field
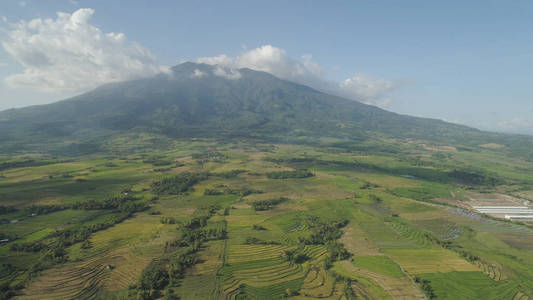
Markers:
point(393, 225)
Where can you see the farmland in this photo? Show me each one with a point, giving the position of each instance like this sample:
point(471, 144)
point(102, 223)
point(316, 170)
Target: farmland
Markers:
point(202, 219)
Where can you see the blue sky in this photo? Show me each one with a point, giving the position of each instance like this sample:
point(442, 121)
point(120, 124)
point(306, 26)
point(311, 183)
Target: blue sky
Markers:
point(469, 62)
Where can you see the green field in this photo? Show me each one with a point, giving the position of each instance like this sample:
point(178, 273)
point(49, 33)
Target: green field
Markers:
point(203, 219)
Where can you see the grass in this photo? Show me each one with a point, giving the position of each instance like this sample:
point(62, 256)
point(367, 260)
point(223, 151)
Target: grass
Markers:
point(469, 285)
point(380, 264)
point(419, 261)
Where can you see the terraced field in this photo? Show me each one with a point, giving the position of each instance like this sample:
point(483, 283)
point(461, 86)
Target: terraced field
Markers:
point(350, 230)
point(262, 266)
point(112, 270)
point(397, 287)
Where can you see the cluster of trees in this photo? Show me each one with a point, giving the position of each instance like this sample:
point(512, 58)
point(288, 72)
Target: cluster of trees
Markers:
point(184, 255)
point(115, 202)
point(209, 156)
point(7, 291)
point(229, 174)
point(228, 191)
point(258, 227)
point(214, 192)
point(23, 163)
point(290, 159)
point(426, 287)
point(168, 220)
point(475, 177)
point(296, 256)
point(323, 232)
point(268, 204)
point(301, 173)
point(375, 198)
point(368, 185)
point(27, 247)
point(157, 161)
point(44, 209)
point(7, 209)
point(327, 233)
point(178, 184)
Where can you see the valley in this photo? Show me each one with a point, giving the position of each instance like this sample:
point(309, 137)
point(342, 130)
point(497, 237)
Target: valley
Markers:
point(211, 219)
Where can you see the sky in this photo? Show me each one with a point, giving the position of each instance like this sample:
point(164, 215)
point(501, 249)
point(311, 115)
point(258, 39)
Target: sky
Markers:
point(467, 62)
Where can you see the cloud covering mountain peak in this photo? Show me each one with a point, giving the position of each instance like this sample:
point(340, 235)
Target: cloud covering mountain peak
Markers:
point(274, 60)
point(69, 54)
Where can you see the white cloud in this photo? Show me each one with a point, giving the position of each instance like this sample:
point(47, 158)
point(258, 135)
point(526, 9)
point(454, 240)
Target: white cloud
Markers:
point(269, 59)
point(360, 87)
point(2, 64)
point(222, 60)
point(367, 89)
point(198, 74)
point(228, 73)
point(68, 54)
point(517, 125)
point(4, 19)
point(22, 3)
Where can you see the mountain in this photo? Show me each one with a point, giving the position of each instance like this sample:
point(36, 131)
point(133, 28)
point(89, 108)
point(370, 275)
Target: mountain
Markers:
point(199, 100)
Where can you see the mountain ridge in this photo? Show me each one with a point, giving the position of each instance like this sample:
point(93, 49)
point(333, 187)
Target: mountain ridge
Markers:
point(200, 100)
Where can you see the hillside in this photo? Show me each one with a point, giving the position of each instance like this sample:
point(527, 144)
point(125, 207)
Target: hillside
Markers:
point(257, 105)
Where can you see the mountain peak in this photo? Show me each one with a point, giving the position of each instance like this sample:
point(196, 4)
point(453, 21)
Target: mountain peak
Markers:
point(198, 99)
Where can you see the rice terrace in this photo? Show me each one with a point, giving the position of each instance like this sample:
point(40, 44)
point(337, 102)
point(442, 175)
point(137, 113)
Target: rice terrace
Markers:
point(262, 221)
point(244, 172)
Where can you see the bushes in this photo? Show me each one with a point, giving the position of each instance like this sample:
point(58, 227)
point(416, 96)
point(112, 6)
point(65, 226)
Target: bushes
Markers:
point(178, 184)
point(375, 198)
point(267, 204)
point(155, 277)
point(157, 161)
point(168, 220)
point(327, 233)
point(27, 247)
point(7, 209)
point(426, 287)
point(337, 251)
point(44, 209)
point(110, 203)
point(296, 257)
point(180, 261)
point(227, 191)
point(303, 173)
point(323, 232)
point(258, 227)
point(229, 174)
point(475, 177)
point(213, 192)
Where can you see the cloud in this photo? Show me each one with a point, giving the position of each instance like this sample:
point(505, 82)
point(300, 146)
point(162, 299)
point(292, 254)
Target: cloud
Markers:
point(267, 58)
point(4, 19)
point(198, 74)
point(228, 73)
point(2, 64)
point(366, 88)
point(68, 54)
point(517, 125)
point(22, 3)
